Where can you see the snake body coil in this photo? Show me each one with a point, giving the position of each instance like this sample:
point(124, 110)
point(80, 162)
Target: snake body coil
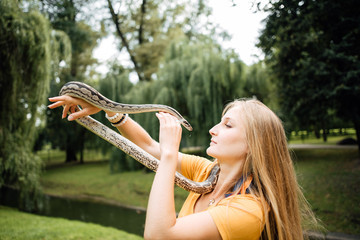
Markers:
point(92, 96)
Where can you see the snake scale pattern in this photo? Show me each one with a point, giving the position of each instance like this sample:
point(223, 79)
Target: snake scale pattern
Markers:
point(92, 96)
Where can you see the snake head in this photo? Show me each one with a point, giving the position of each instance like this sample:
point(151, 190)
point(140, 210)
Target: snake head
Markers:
point(186, 124)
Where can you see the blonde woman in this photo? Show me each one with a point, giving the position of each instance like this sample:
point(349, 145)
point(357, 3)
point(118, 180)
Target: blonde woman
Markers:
point(256, 196)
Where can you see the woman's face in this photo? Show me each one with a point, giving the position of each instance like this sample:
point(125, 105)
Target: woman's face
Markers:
point(228, 139)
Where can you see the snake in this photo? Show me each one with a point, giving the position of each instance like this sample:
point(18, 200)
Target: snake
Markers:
point(93, 97)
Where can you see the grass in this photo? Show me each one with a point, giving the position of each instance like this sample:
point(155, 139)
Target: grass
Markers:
point(53, 157)
point(95, 179)
point(334, 136)
point(16, 225)
point(330, 179)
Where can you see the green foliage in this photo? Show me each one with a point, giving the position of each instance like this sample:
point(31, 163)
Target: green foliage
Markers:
point(115, 86)
point(23, 226)
point(196, 78)
point(64, 17)
point(146, 28)
point(258, 84)
point(313, 51)
point(204, 78)
point(60, 49)
point(308, 137)
point(121, 162)
point(24, 79)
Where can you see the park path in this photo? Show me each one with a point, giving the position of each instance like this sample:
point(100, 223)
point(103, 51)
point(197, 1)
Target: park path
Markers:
point(321, 146)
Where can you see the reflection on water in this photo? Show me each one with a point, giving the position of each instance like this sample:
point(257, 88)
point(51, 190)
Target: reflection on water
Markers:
point(126, 219)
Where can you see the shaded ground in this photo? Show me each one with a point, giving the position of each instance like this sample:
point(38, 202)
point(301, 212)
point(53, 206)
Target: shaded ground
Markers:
point(321, 146)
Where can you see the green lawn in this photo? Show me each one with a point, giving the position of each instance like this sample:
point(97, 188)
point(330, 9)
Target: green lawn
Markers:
point(16, 225)
point(333, 137)
point(331, 182)
point(56, 157)
point(330, 179)
point(95, 179)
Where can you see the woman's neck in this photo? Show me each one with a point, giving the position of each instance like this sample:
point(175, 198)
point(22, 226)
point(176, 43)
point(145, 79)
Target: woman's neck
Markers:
point(228, 176)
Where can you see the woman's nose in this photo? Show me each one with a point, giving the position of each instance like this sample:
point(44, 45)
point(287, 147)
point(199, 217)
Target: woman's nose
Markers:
point(212, 131)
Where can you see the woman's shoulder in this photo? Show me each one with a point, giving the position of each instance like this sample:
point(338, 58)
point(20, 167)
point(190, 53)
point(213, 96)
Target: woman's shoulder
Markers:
point(195, 167)
point(194, 158)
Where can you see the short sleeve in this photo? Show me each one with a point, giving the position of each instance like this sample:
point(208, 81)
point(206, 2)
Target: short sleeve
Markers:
point(194, 167)
point(239, 217)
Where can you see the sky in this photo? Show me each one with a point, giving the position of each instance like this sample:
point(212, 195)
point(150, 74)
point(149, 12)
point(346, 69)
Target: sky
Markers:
point(240, 22)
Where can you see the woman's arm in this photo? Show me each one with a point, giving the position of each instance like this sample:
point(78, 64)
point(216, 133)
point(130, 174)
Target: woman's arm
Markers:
point(130, 129)
point(137, 134)
point(161, 222)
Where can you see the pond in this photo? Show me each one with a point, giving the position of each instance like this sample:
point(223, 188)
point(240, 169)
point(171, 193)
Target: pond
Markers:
point(127, 219)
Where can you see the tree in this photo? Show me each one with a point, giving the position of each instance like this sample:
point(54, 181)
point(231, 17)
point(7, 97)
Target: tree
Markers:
point(313, 51)
point(116, 86)
point(146, 27)
point(64, 16)
point(197, 78)
point(258, 84)
point(24, 80)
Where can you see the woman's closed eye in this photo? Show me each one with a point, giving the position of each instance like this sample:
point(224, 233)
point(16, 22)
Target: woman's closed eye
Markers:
point(228, 124)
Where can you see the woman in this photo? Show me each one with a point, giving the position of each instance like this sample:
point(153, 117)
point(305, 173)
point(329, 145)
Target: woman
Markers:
point(256, 195)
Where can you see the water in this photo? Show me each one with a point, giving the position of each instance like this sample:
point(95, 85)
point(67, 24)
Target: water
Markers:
point(127, 219)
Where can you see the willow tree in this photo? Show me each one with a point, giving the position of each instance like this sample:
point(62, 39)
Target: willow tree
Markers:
point(258, 84)
point(115, 86)
point(145, 27)
point(197, 78)
point(24, 80)
point(216, 79)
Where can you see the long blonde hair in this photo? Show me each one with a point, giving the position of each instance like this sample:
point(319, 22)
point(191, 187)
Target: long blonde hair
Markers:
point(274, 178)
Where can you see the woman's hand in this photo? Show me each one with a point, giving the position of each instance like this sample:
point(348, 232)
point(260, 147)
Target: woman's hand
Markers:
point(170, 135)
point(161, 222)
point(70, 104)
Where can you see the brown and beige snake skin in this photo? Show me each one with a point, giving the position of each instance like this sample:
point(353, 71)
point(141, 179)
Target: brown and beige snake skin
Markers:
point(92, 96)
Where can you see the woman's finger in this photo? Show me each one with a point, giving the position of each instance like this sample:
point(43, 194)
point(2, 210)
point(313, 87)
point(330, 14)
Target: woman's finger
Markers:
point(82, 113)
point(55, 99)
point(169, 119)
point(65, 110)
point(161, 118)
point(78, 114)
point(56, 104)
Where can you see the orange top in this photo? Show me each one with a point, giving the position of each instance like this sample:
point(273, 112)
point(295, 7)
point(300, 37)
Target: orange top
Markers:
point(237, 216)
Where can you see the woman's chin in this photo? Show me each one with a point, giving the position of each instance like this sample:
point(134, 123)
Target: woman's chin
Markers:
point(209, 152)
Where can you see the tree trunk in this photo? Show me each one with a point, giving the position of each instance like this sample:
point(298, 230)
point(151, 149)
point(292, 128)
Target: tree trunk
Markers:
point(357, 129)
point(82, 144)
point(70, 154)
point(82, 155)
point(115, 19)
point(141, 32)
point(317, 132)
point(324, 131)
point(324, 135)
point(70, 150)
